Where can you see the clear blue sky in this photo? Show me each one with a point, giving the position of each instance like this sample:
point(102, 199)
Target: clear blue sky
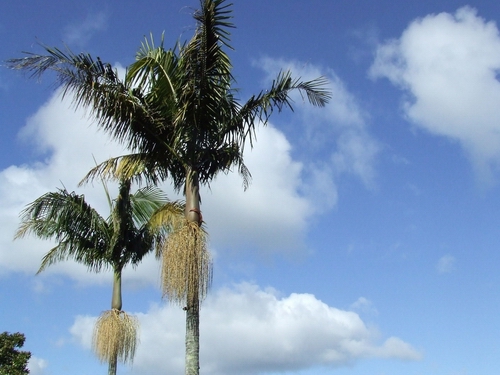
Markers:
point(368, 240)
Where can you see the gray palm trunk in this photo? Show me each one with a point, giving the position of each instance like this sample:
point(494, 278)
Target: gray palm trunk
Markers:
point(193, 336)
point(193, 214)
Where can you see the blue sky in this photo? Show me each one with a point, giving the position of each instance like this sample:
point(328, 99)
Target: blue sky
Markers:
point(368, 240)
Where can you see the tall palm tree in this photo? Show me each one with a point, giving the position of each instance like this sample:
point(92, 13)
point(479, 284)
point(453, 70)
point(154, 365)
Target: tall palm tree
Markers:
point(176, 110)
point(136, 226)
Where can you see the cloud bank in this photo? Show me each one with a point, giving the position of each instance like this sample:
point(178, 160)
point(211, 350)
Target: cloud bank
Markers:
point(248, 330)
point(447, 65)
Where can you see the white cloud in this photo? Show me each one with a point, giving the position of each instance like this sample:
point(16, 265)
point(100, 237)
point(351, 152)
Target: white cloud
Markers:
point(81, 33)
point(37, 365)
point(339, 130)
point(248, 330)
point(270, 213)
point(448, 66)
point(82, 330)
point(364, 305)
point(355, 154)
point(446, 264)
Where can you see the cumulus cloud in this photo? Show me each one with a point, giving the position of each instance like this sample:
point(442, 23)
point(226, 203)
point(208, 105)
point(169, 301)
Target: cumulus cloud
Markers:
point(271, 209)
point(447, 64)
point(248, 330)
point(446, 264)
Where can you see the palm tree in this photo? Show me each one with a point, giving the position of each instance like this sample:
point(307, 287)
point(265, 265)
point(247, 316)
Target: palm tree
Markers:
point(176, 110)
point(136, 226)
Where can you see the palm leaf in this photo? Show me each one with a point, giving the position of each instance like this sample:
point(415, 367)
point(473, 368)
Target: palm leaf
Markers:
point(82, 234)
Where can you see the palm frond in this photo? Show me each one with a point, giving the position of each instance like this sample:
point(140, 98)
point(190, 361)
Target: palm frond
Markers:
point(117, 107)
point(106, 190)
point(95, 259)
point(135, 167)
point(214, 15)
point(145, 202)
point(261, 106)
point(155, 70)
point(81, 233)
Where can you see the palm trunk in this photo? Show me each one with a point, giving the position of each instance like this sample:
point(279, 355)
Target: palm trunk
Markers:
point(192, 213)
point(116, 300)
point(193, 336)
point(112, 366)
point(116, 304)
point(120, 234)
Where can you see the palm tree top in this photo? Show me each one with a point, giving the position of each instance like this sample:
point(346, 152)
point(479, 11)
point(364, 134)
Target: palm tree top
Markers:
point(176, 108)
point(135, 226)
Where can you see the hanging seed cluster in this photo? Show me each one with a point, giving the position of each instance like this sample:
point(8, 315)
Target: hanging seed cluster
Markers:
point(186, 263)
point(115, 336)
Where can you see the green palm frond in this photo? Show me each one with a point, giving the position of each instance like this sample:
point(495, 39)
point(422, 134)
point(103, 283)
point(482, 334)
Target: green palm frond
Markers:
point(260, 107)
point(93, 258)
point(145, 202)
point(155, 68)
point(81, 233)
point(117, 107)
point(135, 167)
point(137, 225)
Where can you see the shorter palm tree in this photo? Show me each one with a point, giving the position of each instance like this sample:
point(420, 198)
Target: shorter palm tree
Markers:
point(137, 225)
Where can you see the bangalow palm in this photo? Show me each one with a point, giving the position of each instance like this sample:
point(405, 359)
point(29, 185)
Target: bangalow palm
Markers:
point(138, 224)
point(177, 111)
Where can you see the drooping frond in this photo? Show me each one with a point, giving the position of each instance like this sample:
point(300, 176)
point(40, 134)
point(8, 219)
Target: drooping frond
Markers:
point(136, 167)
point(117, 107)
point(134, 229)
point(260, 107)
point(186, 264)
point(316, 90)
point(81, 233)
point(115, 336)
